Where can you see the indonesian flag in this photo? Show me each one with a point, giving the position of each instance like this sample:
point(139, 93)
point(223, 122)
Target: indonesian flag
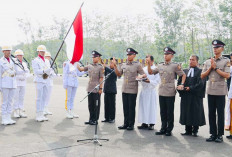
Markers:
point(74, 40)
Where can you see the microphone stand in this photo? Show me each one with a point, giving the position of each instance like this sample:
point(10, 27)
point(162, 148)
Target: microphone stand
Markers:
point(95, 138)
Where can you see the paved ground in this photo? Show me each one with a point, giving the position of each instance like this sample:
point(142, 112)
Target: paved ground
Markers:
point(57, 137)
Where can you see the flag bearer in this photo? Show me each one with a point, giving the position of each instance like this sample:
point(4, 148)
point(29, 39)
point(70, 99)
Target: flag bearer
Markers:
point(41, 72)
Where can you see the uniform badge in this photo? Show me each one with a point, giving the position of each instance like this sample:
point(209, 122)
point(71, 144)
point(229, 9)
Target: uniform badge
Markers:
point(128, 50)
point(228, 64)
point(179, 67)
point(166, 49)
point(215, 42)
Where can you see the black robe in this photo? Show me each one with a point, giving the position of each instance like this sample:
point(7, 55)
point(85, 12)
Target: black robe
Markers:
point(191, 106)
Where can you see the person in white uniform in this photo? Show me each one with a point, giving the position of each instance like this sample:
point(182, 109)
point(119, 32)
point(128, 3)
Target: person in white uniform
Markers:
point(148, 98)
point(41, 73)
point(50, 83)
point(70, 83)
point(22, 72)
point(228, 109)
point(7, 84)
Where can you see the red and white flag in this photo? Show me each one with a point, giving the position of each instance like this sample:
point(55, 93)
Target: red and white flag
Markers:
point(74, 40)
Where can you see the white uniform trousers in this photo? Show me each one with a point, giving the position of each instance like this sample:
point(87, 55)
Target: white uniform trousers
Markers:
point(71, 92)
point(19, 97)
point(41, 93)
point(48, 96)
point(7, 100)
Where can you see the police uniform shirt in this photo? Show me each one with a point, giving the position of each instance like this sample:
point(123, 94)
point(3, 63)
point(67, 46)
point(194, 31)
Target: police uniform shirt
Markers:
point(95, 71)
point(168, 73)
point(130, 71)
point(216, 84)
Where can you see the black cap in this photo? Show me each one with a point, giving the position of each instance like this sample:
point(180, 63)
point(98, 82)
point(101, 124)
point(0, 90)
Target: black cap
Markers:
point(96, 54)
point(131, 51)
point(168, 50)
point(217, 43)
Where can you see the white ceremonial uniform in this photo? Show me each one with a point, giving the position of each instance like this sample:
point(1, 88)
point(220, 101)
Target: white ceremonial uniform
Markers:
point(39, 66)
point(227, 107)
point(8, 87)
point(148, 99)
point(22, 73)
point(70, 82)
point(50, 83)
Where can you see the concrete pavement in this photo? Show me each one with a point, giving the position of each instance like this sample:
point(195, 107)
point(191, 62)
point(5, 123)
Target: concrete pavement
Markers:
point(57, 137)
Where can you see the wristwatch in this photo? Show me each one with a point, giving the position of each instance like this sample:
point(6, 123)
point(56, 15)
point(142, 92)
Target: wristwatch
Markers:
point(216, 68)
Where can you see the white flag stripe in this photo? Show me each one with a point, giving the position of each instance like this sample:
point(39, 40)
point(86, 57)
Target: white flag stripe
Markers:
point(70, 43)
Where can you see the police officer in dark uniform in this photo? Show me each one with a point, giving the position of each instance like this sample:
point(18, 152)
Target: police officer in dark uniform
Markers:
point(96, 74)
point(130, 70)
point(217, 69)
point(167, 91)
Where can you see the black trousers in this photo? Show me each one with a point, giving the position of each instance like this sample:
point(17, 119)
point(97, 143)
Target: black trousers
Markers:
point(94, 109)
point(109, 100)
point(191, 129)
point(167, 112)
point(216, 103)
point(129, 104)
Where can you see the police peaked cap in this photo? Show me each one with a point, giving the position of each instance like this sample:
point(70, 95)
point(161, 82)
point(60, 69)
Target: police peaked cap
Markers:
point(96, 54)
point(131, 51)
point(168, 50)
point(217, 43)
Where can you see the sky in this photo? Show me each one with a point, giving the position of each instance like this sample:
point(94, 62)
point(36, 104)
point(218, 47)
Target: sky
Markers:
point(41, 12)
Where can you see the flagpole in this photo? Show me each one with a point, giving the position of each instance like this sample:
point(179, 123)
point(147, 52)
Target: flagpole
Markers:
point(65, 37)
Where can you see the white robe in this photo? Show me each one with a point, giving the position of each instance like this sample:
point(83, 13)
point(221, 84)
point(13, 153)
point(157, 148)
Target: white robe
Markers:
point(227, 108)
point(148, 99)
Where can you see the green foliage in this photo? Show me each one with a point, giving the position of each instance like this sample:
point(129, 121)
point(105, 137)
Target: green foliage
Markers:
point(188, 29)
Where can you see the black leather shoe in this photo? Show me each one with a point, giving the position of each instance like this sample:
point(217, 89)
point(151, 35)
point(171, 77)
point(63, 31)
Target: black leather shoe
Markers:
point(211, 138)
point(168, 134)
point(111, 121)
point(186, 134)
point(143, 126)
point(219, 139)
point(87, 122)
point(105, 120)
point(161, 132)
point(229, 137)
point(151, 127)
point(122, 127)
point(93, 123)
point(130, 128)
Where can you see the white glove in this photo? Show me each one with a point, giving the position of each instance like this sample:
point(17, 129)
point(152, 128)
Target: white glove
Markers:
point(48, 71)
